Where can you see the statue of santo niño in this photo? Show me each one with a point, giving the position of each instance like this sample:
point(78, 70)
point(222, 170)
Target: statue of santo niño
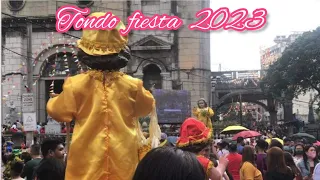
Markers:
point(203, 113)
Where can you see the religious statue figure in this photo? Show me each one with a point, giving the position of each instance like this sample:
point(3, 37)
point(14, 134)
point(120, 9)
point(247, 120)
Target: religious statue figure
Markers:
point(105, 104)
point(203, 113)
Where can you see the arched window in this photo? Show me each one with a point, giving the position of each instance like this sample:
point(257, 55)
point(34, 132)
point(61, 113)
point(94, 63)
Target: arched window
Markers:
point(16, 5)
point(85, 3)
point(60, 64)
point(152, 76)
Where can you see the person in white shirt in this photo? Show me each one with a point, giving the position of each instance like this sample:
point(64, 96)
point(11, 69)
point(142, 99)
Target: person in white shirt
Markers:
point(316, 172)
point(38, 128)
point(19, 125)
point(222, 149)
point(14, 126)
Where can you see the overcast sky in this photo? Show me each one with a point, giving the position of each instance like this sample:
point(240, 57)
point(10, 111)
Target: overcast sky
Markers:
point(240, 51)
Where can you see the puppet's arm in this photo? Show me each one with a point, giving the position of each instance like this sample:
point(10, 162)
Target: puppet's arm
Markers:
point(195, 111)
point(144, 105)
point(62, 107)
point(211, 112)
point(144, 101)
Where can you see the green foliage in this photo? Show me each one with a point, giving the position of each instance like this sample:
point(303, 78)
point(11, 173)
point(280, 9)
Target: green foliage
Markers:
point(297, 70)
point(144, 119)
point(223, 109)
point(232, 115)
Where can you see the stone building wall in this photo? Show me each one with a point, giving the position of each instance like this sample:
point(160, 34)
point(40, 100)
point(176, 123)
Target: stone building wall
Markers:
point(193, 66)
point(194, 53)
point(13, 75)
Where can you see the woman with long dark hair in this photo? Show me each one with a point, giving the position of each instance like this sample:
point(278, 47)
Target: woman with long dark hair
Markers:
point(169, 163)
point(290, 163)
point(308, 162)
point(277, 168)
point(275, 143)
point(248, 170)
point(261, 156)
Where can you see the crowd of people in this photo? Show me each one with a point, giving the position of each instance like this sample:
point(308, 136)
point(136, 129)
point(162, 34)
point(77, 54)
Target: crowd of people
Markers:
point(257, 159)
point(243, 159)
point(41, 162)
point(108, 143)
point(194, 155)
point(18, 127)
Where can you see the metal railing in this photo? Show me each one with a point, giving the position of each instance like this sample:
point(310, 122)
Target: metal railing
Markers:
point(62, 136)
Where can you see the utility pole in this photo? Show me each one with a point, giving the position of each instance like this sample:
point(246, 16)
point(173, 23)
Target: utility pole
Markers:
point(29, 56)
point(219, 67)
point(175, 47)
point(240, 115)
point(29, 134)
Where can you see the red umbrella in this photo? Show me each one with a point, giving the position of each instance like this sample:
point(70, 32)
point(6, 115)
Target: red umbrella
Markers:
point(316, 143)
point(246, 134)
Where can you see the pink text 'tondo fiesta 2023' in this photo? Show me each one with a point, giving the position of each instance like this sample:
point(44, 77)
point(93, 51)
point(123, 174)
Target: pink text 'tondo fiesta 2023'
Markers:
point(209, 20)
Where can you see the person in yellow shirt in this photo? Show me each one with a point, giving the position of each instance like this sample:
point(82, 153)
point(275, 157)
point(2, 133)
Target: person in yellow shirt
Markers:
point(248, 170)
point(203, 113)
point(105, 104)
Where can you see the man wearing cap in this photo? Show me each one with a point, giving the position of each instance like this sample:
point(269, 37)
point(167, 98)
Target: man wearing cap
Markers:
point(105, 104)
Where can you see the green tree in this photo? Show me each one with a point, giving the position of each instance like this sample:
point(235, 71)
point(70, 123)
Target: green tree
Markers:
point(297, 70)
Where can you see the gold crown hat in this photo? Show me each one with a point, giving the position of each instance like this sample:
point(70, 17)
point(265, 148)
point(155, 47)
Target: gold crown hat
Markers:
point(102, 42)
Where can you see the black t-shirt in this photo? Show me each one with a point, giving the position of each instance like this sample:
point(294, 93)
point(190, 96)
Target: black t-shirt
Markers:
point(28, 169)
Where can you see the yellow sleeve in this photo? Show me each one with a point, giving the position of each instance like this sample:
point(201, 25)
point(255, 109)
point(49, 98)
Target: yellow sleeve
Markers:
point(63, 107)
point(208, 171)
point(144, 101)
point(248, 171)
point(195, 112)
point(143, 151)
point(211, 112)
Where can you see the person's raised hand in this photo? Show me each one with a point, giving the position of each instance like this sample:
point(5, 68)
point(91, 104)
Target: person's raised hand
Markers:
point(52, 95)
point(223, 160)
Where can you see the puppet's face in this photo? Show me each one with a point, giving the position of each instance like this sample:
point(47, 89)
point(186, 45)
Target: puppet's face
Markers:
point(202, 104)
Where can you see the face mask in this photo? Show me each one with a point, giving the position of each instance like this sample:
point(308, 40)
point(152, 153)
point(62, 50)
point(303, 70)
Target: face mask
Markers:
point(311, 155)
point(299, 152)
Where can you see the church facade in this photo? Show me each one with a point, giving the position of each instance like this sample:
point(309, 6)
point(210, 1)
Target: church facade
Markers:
point(32, 49)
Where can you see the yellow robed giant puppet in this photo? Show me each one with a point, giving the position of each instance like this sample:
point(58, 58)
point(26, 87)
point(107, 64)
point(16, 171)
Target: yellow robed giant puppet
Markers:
point(203, 113)
point(107, 140)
